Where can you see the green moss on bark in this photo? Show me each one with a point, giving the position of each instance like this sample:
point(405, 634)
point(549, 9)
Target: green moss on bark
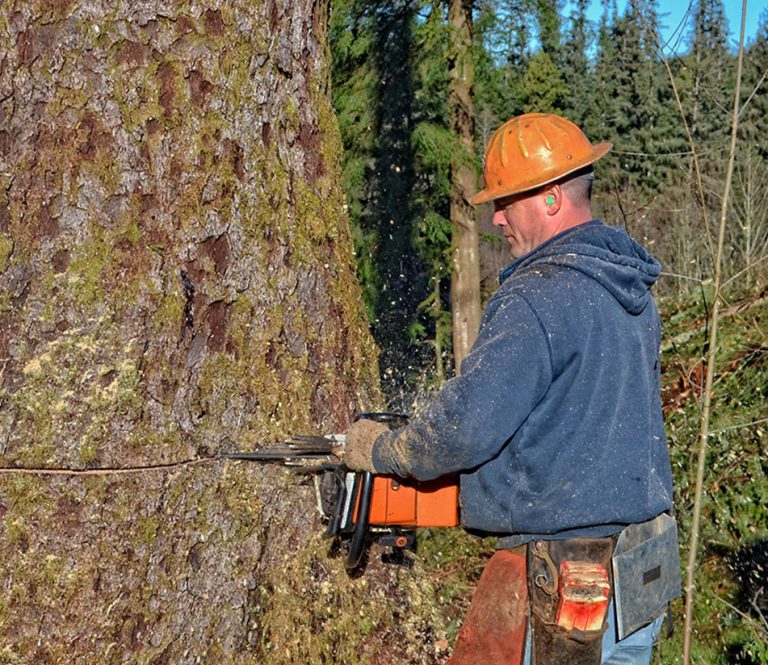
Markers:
point(78, 384)
point(6, 247)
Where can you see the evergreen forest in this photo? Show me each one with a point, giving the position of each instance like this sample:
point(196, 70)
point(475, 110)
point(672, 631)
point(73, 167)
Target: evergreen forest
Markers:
point(667, 106)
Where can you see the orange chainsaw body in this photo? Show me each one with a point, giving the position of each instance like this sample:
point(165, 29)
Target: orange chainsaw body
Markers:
point(410, 504)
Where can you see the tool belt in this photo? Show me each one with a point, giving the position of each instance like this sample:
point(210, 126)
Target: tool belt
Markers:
point(571, 582)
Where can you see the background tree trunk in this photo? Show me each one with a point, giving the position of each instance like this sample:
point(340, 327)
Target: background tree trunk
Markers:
point(176, 281)
point(465, 279)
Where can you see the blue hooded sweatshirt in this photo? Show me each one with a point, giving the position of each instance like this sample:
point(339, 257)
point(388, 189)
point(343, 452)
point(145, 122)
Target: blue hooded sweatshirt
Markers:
point(555, 422)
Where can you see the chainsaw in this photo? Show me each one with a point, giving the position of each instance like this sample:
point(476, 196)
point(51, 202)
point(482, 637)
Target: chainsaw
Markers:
point(361, 507)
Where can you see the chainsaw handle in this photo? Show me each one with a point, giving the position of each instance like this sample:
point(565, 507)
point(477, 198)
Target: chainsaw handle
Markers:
point(364, 489)
point(357, 542)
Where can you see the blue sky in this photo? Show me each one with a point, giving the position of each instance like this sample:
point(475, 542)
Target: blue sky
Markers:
point(672, 13)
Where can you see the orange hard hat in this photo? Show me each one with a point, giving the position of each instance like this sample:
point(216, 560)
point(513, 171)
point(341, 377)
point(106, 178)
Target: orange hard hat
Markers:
point(532, 150)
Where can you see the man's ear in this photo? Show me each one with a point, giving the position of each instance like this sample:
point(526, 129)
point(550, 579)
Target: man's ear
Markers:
point(553, 199)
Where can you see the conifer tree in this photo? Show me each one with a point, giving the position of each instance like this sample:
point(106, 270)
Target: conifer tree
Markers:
point(492, 92)
point(392, 80)
point(543, 88)
point(603, 80)
point(177, 282)
point(503, 49)
point(711, 86)
point(354, 83)
point(548, 18)
point(375, 96)
point(509, 32)
point(755, 90)
point(750, 199)
point(579, 94)
point(434, 146)
point(639, 114)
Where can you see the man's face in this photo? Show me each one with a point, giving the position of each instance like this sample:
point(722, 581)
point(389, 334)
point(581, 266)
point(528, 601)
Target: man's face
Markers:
point(522, 220)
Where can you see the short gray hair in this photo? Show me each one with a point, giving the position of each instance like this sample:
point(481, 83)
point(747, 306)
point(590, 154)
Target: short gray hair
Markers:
point(578, 185)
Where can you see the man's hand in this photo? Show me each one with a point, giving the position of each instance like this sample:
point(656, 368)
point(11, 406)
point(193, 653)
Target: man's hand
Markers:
point(358, 450)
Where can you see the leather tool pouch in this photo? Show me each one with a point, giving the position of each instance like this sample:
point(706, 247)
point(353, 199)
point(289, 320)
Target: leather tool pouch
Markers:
point(646, 572)
point(569, 589)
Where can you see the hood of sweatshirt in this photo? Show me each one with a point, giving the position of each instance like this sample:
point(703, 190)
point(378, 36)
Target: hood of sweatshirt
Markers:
point(605, 253)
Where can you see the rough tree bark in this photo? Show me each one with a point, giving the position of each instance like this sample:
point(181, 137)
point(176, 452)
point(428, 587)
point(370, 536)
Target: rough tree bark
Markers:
point(176, 280)
point(465, 278)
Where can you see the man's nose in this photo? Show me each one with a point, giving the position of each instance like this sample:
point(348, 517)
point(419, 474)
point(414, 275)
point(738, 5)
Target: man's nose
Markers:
point(498, 218)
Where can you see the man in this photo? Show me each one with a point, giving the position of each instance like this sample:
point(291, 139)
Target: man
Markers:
point(555, 423)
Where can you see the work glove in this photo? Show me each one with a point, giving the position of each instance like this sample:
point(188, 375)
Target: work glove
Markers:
point(358, 450)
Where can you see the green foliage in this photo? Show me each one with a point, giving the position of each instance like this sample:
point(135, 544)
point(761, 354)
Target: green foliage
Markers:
point(755, 91)
point(548, 14)
point(391, 93)
point(639, 114)
point(579, 103)
point(434, 239)
point(711, 78)
point(734, 533)
point(543, 88)
point(503, 45)
point(435, 145)
point(354, 85)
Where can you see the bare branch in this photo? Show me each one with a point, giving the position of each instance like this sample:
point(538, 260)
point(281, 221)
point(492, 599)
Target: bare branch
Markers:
point(712, 355)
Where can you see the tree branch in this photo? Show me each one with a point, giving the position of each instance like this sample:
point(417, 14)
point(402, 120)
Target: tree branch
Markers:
point(707, 396)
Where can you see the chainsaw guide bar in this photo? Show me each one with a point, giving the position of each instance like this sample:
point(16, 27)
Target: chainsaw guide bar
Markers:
point(297, 450)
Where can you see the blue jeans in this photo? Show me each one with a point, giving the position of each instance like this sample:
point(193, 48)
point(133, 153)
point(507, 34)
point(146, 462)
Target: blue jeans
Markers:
point(633, 650)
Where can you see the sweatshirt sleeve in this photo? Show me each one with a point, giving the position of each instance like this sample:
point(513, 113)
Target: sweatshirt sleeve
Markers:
point(473, 416)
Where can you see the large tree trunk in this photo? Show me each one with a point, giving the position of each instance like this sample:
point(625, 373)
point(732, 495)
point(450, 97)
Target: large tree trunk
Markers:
point(465, 279)
point(176, 281)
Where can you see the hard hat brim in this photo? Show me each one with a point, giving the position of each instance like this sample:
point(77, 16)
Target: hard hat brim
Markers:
point(540, 179)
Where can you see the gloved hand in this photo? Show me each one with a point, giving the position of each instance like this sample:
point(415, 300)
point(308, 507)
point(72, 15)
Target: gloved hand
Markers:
point(358, 450)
